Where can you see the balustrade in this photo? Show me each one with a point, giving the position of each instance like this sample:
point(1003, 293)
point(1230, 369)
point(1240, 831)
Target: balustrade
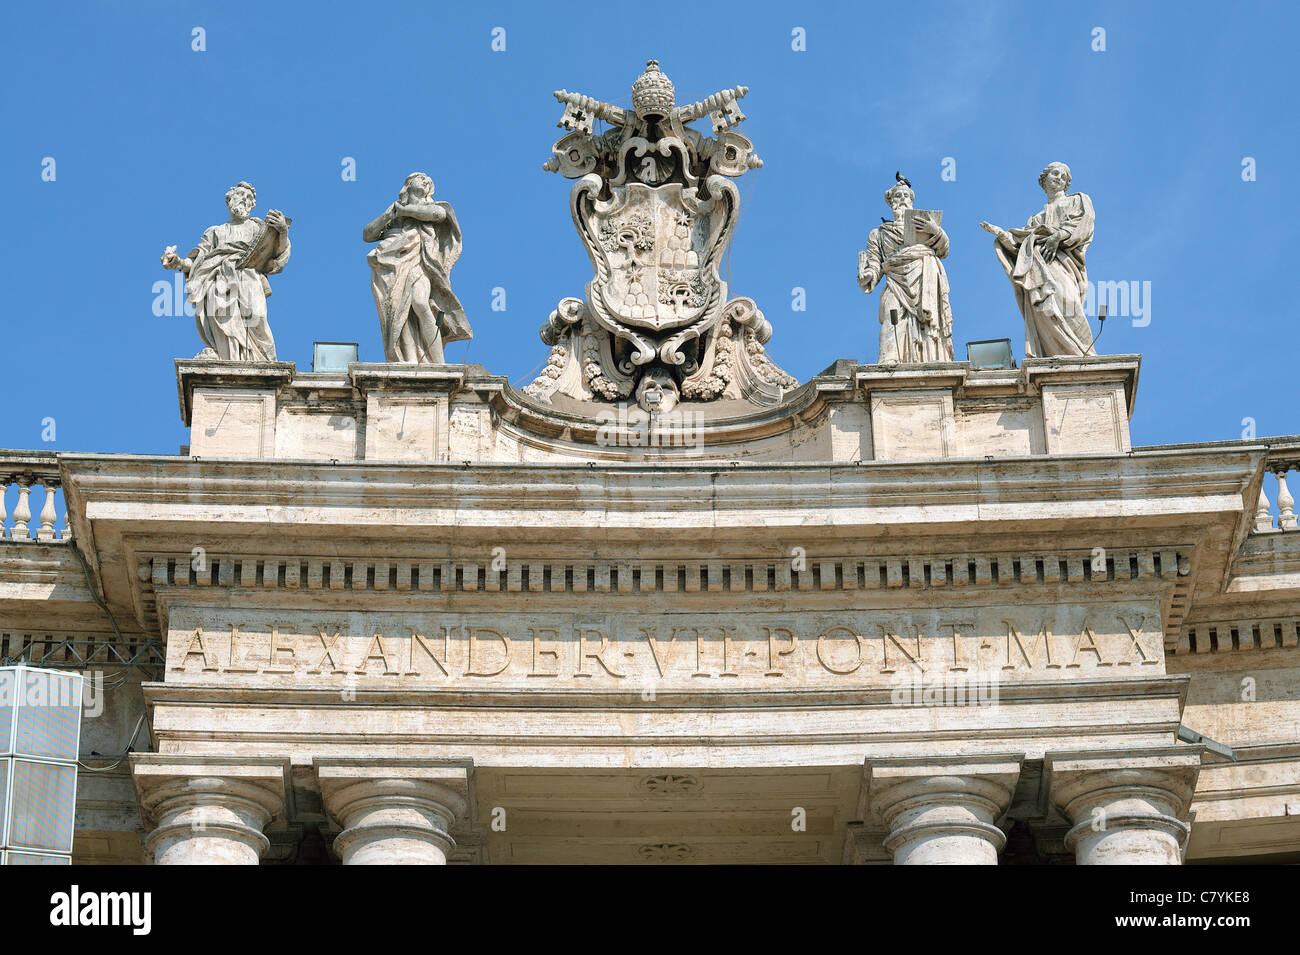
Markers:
point(22, 474)
point(1277, 467)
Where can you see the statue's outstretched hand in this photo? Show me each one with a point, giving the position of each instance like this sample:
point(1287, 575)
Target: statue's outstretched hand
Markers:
point(1002, 235)
point(170, 260)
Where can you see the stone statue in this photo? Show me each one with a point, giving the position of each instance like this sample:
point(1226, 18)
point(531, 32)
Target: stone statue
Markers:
point(655, 207)
point(1045, 262)
point(225, 279)
point(915, 317)
point(419, 241)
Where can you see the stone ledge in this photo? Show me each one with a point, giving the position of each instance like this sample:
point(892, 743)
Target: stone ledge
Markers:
point(543, 700)
point(377, 376)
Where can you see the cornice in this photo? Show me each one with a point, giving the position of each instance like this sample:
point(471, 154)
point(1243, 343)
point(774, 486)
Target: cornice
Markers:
point(952, 483)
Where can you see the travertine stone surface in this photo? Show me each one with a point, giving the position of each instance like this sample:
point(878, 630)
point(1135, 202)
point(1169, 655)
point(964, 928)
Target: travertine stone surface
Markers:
point(915, 423)
point(392, 811)
point(717, 649)
point(848, 413)
point(209, 810)
point(682, 653)
point(942, 811)
point(407, 411)
point(1127, 808)
point(231, 407)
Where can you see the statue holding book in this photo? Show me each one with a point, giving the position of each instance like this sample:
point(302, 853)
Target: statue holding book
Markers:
point(906, 253)
point(1046, 263)
point(225, 278)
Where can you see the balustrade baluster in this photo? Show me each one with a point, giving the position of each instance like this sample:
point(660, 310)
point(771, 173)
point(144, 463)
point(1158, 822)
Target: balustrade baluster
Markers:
point(23, 511)
point(4, 514)
point(1263, 512)
point(1285, 502)
point(48, 514)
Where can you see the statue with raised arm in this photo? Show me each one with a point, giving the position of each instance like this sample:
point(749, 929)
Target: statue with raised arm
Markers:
point(1045, 262)
point(915, 316)
point(419, 241)
point(225, 278)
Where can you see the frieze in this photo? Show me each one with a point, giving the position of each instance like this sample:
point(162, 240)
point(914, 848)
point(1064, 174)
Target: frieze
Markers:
point(700, 651)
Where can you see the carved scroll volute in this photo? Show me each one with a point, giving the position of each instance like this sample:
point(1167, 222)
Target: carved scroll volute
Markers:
point(573, 156)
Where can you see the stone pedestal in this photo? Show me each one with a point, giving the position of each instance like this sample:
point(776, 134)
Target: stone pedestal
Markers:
point(394, 811)
point(408, 412)
point(942, 811)
point(1086, 402)
point(1126, 808)
point(208, 810)
point(231, 407)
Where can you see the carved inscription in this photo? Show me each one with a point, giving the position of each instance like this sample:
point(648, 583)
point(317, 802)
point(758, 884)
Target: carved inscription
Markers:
point(699, 651)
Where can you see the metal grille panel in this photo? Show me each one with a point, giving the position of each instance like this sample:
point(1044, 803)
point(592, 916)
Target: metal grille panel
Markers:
point(41, 814)
point(36, 858)
point(4, 801)
point(8, 682)
point(49, 714)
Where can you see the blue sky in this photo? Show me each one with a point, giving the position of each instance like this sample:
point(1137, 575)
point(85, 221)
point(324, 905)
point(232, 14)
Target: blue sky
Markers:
point(148, 134)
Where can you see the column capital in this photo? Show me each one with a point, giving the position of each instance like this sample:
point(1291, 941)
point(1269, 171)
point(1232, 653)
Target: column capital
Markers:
point(1126, 807)
point(209, 809)
point(395, 811)
point(942, 810)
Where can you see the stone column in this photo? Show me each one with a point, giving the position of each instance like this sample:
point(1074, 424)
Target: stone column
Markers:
point(394, 811)
point(1127, 807)
point(209, 810)
point(942, 810)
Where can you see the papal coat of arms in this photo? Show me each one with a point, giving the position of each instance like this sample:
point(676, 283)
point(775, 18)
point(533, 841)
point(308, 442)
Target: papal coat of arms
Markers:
point(655, 206)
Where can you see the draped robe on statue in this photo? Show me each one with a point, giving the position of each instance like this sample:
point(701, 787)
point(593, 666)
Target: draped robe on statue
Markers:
point(1051, 295)
point(229, 296)
point(413, 258)
point(916, 287)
